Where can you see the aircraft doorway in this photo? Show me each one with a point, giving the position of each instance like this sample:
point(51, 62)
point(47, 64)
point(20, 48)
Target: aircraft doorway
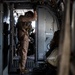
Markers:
point(32, 34)
point(40, 36)
point(32, 39)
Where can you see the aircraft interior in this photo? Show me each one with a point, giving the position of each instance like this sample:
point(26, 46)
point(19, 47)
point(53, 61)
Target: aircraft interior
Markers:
point(52, 15)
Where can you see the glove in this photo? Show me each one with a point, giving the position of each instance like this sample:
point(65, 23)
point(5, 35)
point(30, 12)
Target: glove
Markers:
point(34, 6)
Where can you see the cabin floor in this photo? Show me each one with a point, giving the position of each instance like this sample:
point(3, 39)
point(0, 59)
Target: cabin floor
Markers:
point(20, 74)
point(39, 68)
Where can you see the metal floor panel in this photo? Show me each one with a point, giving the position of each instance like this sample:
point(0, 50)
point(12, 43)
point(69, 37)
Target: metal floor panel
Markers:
point(29, 65)
point(19, 74)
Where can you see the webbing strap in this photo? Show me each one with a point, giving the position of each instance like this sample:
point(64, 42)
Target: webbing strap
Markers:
point(65, 55)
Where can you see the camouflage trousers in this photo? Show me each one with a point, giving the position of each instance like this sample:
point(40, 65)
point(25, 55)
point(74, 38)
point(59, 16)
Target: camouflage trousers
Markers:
point(23, 49)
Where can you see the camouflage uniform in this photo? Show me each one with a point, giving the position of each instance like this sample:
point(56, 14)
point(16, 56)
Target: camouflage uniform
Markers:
point(23, 29)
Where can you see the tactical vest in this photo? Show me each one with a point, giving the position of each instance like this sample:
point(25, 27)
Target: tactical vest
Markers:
point(23, 28)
